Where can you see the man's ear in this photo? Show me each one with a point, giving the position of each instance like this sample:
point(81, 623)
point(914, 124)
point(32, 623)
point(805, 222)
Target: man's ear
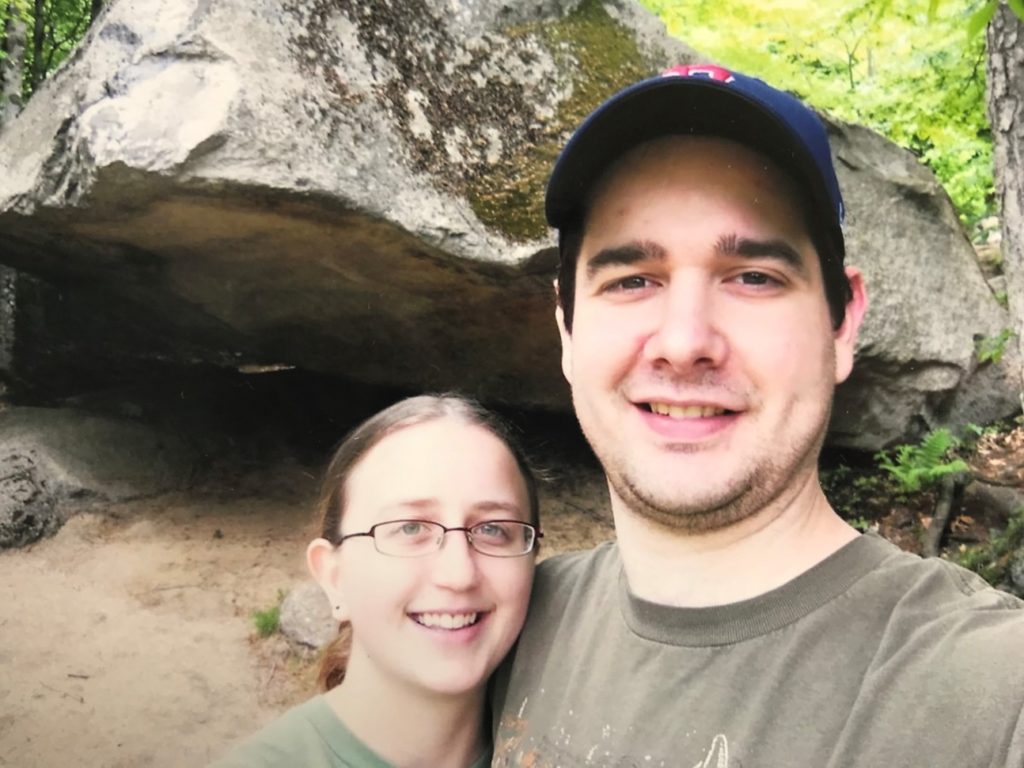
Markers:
point(565, 336)
point(322, 561)
point(846, 335)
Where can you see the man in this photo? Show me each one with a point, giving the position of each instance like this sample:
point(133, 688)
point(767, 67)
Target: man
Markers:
point(706, 317)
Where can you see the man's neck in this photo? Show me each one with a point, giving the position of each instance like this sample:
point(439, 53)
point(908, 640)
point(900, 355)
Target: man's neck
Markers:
point(747, 559)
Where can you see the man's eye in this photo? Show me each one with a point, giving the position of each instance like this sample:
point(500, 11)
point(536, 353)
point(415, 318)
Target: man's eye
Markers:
point(631, 283)
point(756, 278)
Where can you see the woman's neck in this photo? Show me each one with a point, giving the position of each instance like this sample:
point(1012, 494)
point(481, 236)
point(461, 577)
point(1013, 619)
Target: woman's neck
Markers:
point(410, 728)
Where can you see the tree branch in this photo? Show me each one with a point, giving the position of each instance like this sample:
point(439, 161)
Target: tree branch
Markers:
point(940, 521)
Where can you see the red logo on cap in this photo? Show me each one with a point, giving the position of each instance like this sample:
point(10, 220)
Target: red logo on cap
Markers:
point(709, 71)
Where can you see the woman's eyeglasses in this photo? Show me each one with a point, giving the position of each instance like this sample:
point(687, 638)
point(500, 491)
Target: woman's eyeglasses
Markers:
point(414, 538)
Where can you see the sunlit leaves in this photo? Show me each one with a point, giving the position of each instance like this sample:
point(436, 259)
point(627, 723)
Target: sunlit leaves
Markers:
point(905, 69)
point(55, 27)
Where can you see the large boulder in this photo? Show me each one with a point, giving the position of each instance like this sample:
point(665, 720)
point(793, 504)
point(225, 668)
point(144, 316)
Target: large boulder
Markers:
point(930, 305)
point(49, 456)
point(356, 189)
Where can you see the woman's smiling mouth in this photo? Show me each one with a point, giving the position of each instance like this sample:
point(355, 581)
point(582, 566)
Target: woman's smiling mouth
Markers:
point(446, 620)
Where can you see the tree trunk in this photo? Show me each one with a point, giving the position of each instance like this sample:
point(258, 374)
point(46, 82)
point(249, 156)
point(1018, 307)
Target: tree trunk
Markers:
point(38, 37)
point(12, 66)
point(8, 284)
point(1005, 76)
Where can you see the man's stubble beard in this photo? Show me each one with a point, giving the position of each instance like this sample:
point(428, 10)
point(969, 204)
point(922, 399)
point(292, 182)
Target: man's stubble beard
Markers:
point(744, 496)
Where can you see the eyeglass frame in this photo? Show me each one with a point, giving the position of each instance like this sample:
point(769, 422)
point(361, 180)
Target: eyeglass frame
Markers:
point(445, 530)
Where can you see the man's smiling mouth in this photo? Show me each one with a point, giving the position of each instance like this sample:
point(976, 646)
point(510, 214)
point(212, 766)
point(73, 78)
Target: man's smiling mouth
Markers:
point(685, 411)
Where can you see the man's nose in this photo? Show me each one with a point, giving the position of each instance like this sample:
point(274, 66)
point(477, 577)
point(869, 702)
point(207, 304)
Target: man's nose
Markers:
point(686, 332)
point(455, 565)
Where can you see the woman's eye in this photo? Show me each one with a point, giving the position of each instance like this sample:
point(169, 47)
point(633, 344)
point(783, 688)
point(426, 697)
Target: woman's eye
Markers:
point(411, 529)
point(493, 531)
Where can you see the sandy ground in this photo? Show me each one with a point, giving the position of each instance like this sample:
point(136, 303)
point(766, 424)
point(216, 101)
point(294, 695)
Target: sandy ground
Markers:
point(126, 639)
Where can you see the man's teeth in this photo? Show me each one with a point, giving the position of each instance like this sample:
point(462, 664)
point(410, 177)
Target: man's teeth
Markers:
point(446, 620)
point(686, 411)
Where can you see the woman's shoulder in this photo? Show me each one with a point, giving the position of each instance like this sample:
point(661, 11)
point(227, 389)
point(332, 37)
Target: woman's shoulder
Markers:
point(309, 734)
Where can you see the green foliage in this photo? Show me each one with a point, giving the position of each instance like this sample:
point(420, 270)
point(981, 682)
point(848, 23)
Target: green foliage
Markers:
point(268, 621)
point(980, 18)
point(992, 561)
point(981, 15)
point(990, 349)
point(852, 492)
point(54, 28)
point(901, 69)
point(860, 523)
point(916, 467)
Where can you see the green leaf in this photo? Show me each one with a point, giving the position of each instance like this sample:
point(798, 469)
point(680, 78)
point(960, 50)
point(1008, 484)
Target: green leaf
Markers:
point(933, 10)
point(1017, 6)
point(980, 18)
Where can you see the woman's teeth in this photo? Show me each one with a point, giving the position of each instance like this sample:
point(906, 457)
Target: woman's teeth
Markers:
point(446, 620)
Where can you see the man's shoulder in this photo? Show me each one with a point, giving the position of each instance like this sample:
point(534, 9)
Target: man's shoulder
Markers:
point(568, 579)
point(942, 584)
point(571, 567)
point(937, 607)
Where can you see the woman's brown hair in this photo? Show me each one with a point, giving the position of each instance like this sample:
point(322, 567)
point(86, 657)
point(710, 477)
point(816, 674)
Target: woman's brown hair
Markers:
point(358, 442)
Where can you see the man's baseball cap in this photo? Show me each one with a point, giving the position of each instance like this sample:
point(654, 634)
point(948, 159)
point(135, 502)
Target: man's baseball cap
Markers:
point(700, 100)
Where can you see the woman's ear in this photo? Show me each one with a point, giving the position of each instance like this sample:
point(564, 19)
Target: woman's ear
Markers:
point(322, 561)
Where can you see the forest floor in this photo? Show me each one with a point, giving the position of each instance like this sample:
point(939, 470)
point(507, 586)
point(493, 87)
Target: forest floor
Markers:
point(127, 638)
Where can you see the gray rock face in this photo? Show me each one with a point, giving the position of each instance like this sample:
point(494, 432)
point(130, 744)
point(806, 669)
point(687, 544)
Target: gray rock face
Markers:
point(356, 189)
point(48, 456)
point(929, 303)
point(306, 616)
point(1017, 574)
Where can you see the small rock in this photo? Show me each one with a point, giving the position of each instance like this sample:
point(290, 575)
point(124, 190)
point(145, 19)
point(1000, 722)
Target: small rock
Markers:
point(306, 616)
point(992, 500)
point(28, 503)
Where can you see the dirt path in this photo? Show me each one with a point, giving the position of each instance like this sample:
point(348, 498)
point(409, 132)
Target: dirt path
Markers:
point(126, 639)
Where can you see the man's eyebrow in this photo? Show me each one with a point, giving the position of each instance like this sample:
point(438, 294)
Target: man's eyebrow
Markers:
point(731, 245)
point(624, 256)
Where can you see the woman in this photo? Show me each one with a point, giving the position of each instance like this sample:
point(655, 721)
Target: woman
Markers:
point(429, 524)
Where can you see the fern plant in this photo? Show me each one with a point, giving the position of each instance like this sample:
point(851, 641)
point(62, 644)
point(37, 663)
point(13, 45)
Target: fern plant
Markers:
point(991, 349)
point(920, 466)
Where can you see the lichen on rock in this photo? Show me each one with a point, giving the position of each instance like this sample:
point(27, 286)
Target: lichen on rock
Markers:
point(476, 114)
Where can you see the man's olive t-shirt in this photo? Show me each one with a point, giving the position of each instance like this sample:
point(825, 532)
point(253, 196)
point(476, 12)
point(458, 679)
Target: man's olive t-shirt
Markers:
point(873, 658)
